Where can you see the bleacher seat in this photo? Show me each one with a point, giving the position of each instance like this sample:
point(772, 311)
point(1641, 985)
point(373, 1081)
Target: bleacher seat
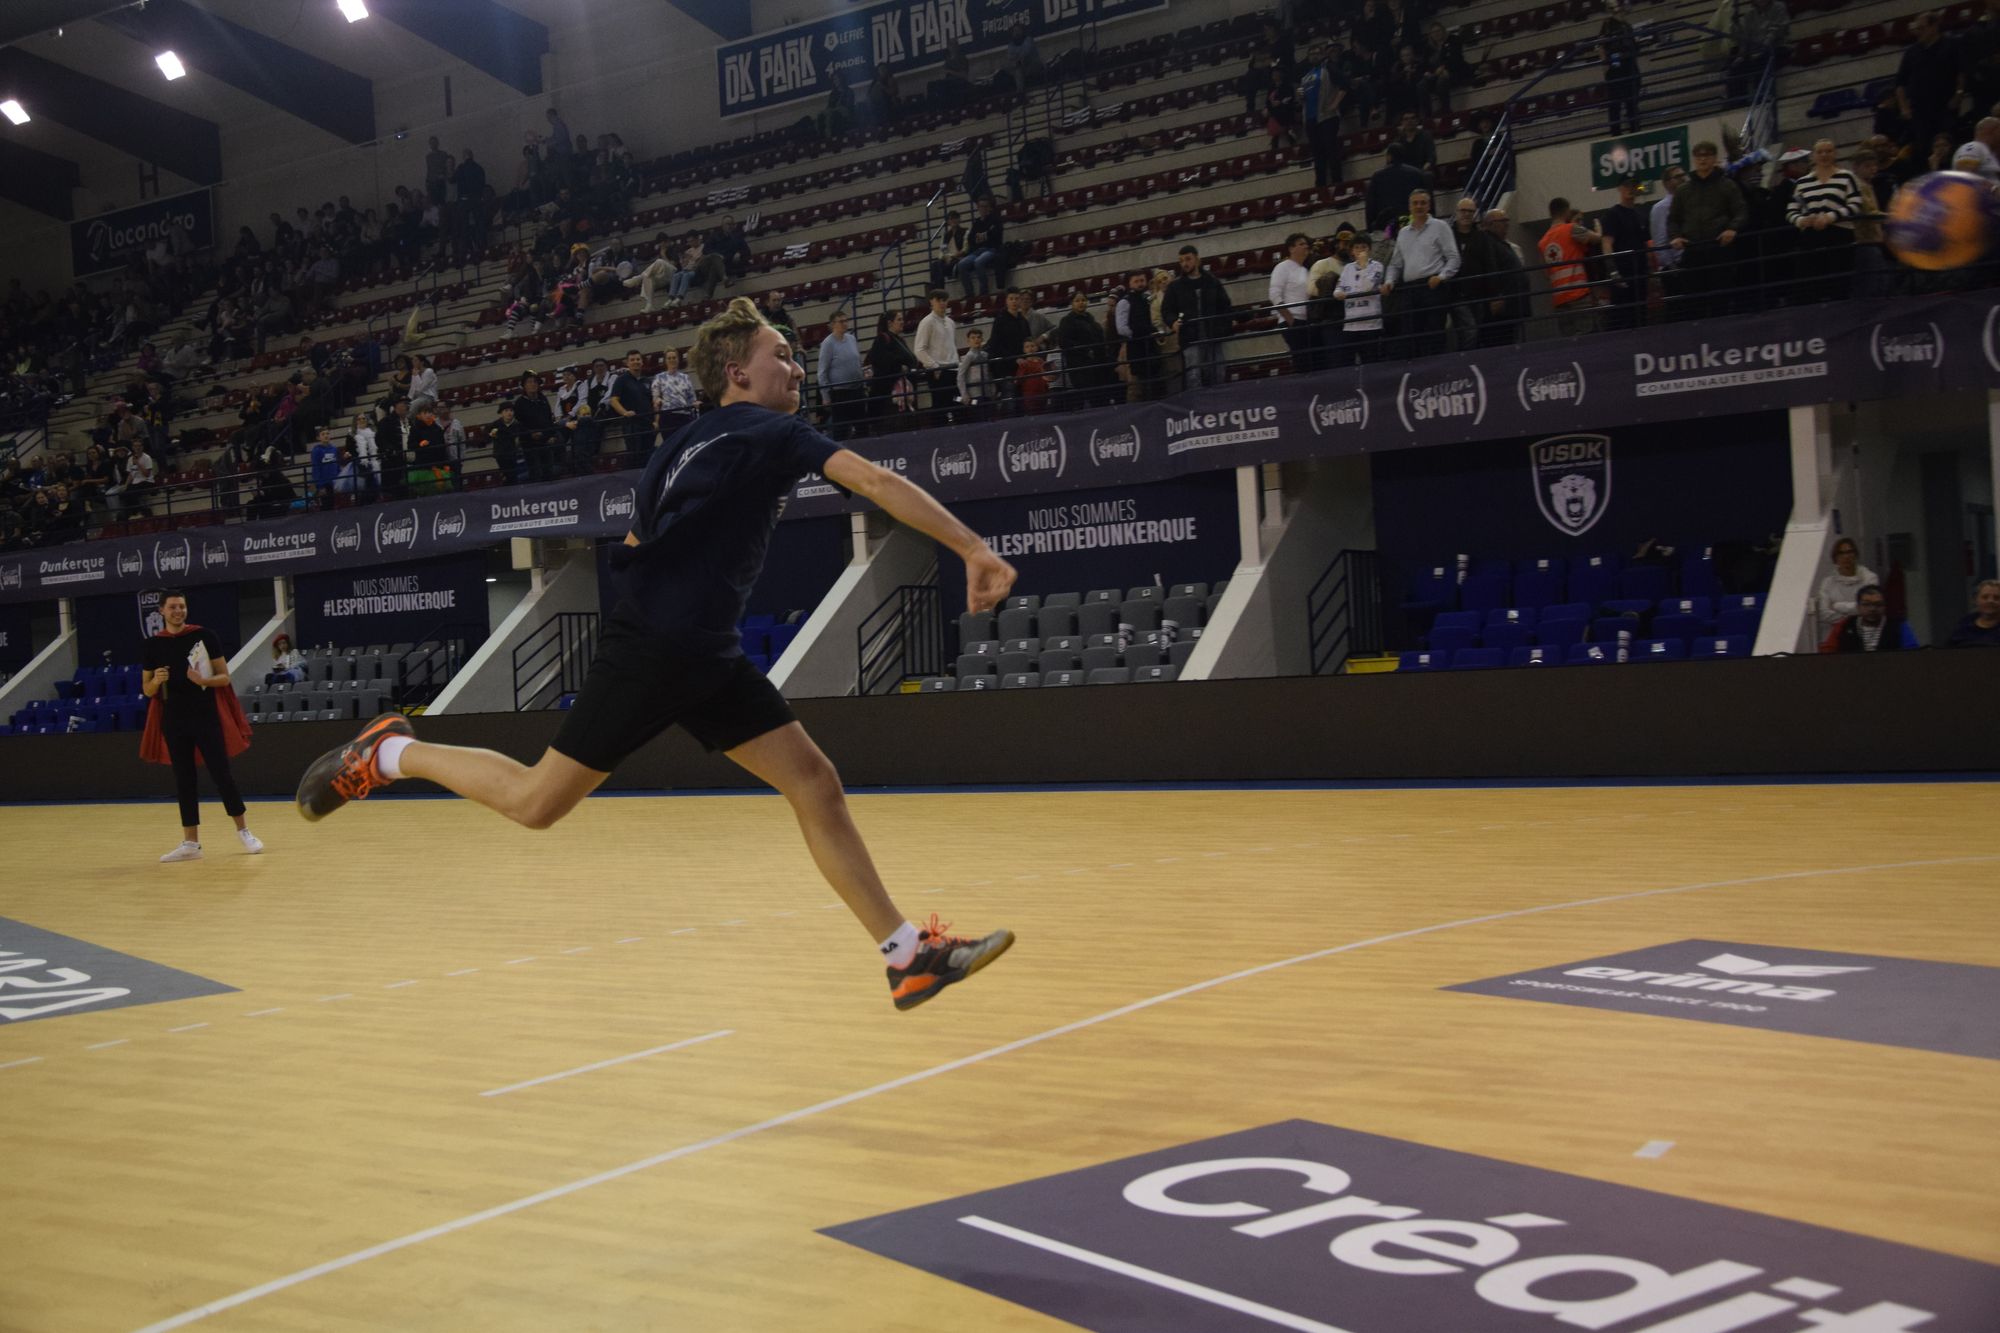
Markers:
point(1180, 652)
point(1698, 576)
point(1021, 680)
point(974, 625)
point(1147, 675)
point(1721, 646)
point(1594, 579)
point(988, 680)
point(1018, 623)
point(1099, 659)
point(1660, 650)
point(1739, 615)
point(1610, 629)
point(1486, 592)
point(1141, 613)
point(937, 685)
point(1054, 621)
point(1110, 675)
point(1474, 659)
point(977, 664)
point(1674, 625)
point(1540, 655)
point(1145, 655)
point(1195, 590)
point(1592, 654)
point(1097, 617)
point(1058, 659)
point(1643, 582)
point(1061, 678)
point(1183, 610)
point(1422, 662)
point(1539, 582)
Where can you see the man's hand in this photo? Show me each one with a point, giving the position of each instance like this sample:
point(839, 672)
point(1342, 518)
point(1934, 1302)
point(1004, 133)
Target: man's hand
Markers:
point(199, 680)
point(1679, 243)
point(988, 579)
point(1388, 287)
point(1728, 236)
point(1436, 281)
point(160, 675)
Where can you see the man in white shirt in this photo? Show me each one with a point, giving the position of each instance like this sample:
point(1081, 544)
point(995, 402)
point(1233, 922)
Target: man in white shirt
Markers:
point(1424, 259)
point(1665, 258)
point(1982, 154)
point(937, 348)
point(1291, 288)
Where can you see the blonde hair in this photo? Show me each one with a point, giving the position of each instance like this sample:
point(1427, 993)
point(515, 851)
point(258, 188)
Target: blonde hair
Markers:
point(724, 339)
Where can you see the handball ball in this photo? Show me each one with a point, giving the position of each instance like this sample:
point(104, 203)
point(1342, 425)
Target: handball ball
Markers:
point(1941, 221)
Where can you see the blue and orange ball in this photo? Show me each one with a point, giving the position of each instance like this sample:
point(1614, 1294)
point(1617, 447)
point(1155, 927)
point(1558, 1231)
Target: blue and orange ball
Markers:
point(1942, 221)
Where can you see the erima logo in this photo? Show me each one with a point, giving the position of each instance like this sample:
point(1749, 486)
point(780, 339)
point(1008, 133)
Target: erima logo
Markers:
point(1738, 969)
point(1913, 347)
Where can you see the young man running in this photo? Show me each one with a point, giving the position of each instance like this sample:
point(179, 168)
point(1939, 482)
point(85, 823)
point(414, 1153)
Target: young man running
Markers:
point(669, 654)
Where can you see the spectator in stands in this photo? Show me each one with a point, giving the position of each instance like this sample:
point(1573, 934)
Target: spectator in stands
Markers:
point(1928, 80)
point(1873, 271)
point(509, 452)
point(840, 378)
point(1389, 189)
point(954, 85)
point(1024, 60)
point(540, 436)
point(1444, 57)
point(1982, 153)
point(392, 444)
point(838, 118)
point(1139, 338)
point(1980, 627)
point(1707, 213)
point(1666, 259)
point(430, 456)
point(892, 369)
point(1479, 263)
point(1290, 293)
point(1087, 363)
point(1566, 247)
point(659, 270)
point(141, 474)
point(1031, 377)
point(274, 315)
point(937, 348)
point(1281, 110)
point(1758, 31)
point(732, 242)
point(1618, 48)
point(1824, 205)
point(1870, 629)
point(437, 172)
point(703, 266)
point(1358, 289)
point(1011, 331)
point(1419, 148)
point(1404, 89)
point(455, 441)
point(630, 401)
point(1321, 95)
point(676, 400)
point(288, 664)
point(1627, 233)
point(1839, 590)
point(982, 257)
point(951, 241)
point(1425, 257)
point(558, 142)
point(367, 461)
point(975, 375)
point(423, 382)
point(1197, 309)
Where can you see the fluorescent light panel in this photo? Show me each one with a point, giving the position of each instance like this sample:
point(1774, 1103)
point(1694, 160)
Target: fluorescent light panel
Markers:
point(170, 65)
point(355, 10)
point(14, 111)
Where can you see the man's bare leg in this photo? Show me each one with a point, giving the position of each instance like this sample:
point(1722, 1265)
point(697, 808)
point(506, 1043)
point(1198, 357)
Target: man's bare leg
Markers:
point(533, 797)
point(789, 761)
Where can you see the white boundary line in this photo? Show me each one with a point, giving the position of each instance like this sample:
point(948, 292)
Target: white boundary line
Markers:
point(275, 1285)
point(606, 1064)
point(1270, 1314)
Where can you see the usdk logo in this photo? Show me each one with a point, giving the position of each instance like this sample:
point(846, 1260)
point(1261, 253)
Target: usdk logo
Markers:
point(1921, 347)
point(172, 559)
point(617, 506)
point(1561, 387)
point(347, 539)
point(960, 463)
point(1459, 398)
point(131, 564)
point(393, 531)
point(1040, 453)
point(1571, 475)
point(215, 555)
point(1338, 412)
point(1109, 447)
point(1741, 977)
point(445, 525)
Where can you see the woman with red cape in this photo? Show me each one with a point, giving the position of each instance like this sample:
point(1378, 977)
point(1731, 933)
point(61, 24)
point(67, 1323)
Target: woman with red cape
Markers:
point(194, 718)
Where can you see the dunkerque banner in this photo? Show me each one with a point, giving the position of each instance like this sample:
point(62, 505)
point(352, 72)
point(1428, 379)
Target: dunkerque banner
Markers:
point(794, 63)
point(1846, 351)
point(109, 240)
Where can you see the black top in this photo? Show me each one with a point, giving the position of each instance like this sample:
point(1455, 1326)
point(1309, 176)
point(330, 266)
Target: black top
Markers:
point(534, 413)
point(708, 502)
point(988, 232)
point(184, 705)
point(1629, 235)
point(634, 395)
point(1968, 634)
point(427, 446)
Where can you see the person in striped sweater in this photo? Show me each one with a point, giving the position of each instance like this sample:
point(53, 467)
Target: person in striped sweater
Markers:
point(1825, 203)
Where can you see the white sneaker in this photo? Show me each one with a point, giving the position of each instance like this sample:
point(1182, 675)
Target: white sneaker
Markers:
point(251, 843)
point(187, 851)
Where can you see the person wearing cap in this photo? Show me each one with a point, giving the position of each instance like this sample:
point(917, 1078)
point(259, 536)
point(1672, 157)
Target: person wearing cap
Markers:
point(1981, 154)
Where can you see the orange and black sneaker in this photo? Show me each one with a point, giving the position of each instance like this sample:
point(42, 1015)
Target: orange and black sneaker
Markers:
point(942, 959)
point(348, 773)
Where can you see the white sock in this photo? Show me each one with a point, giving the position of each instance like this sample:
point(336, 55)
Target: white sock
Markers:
point(900, 948)
point(387, 751)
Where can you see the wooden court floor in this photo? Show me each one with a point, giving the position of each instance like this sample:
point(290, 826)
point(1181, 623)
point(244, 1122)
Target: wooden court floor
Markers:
point(238, 1158)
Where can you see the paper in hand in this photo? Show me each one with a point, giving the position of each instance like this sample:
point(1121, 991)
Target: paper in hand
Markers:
point(198, 659)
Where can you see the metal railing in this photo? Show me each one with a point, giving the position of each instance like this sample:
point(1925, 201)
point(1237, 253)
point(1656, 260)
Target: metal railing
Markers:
point(1344, 612)
point(901, 639)
point(553, 660)
point(423, 672)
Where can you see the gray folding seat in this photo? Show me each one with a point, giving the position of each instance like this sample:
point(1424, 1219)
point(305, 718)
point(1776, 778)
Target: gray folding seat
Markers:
point(980, 648)
point(319, 668)
point(1181, 652)
point(374, 702)
point(1021, 680)
point(1021, 602)
point(1057, 659)
point(1194, 590)
point(937, 685)
point(1144, 655)
point(378, 648)
point(341, 668)
point(975, 625)
point(973, 664)
point(1068, 643)
point(328, 715)
point(988, 681)
point(1148, 592)
point(1140, 613)
point(1072, 600)
point(1215, 588)
point(1011, 662)
point(1055, 678)
point(1097, 659)
point(401, 649)
point(1183, 611)
point(1017, 623)
point(1111, 676)
point(1055, 620)
point(1096, 618)
point(1025, 644)
point(1155, 638)
point(1103, 595)
point(1146, 675)
point(1102, 641)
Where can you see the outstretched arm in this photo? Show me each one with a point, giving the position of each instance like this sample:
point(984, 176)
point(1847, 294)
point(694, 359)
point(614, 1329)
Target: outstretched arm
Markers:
point(987, 577)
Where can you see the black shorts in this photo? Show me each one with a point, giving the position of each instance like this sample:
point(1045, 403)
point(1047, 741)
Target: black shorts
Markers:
point(639, 685)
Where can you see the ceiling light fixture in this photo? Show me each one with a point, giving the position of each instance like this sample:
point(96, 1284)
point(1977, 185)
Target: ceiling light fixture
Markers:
point(14, 111)
point(355, 10)
point(170, 65)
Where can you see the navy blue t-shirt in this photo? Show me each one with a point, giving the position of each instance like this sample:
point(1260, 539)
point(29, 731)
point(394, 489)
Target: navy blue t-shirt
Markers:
point(707, 505)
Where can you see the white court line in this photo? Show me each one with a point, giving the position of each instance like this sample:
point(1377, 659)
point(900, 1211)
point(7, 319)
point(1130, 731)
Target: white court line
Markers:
point(33, 1059)
point(1655, 1148)
point(457, 1224)
point(606, 1064)
point(328, 999)
point(684, 930)
point(1180, 1286)
point(630, 939)
point(398, 985)
point(513, 962)
point(738, 922)
point(102, 1044)
point(462, 972)
point(189, 1028)
point(581, 948)
point(259, 1013)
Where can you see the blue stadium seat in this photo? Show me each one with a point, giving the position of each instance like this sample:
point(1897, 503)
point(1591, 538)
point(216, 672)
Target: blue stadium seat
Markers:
point(1539, 656)
point(1675, 626)
point(1507, 635)
point(1567, 611)
point(1540, 582)
point(1643, 581)
point(781, 639)
point(1594, 579)
point(755, 640)
point(1511, 615)
point(1698, 576)
point(1484, 592)
point(1477, 659)
point(1448, 639)
point(1641, 607)
point(1459, 620)
point(1701, 608)
point(1660, 650)
point(1733, 618)
point(1592, 654)
point(1721, 646)
point(1607, 629)
point(1422, 662)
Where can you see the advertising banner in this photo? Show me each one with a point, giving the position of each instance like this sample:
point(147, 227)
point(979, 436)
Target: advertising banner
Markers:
point(110, 240)
point(16, 635)
point(798, 62)
point(390, 603)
